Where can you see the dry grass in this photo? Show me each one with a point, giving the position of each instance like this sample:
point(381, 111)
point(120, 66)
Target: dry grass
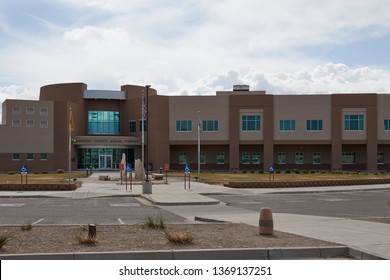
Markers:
point(51, 178)
point(222, 178)
point(179, 238)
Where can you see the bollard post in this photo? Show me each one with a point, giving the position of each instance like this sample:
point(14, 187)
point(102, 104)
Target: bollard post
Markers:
point(266, 224)
point(92, 231)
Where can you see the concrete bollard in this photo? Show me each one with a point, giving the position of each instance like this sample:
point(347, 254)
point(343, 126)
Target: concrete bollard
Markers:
point(266, 223)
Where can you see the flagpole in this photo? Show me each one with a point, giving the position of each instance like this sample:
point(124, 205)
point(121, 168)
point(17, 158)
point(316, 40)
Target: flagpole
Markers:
point(143, 130)
point(70, 142)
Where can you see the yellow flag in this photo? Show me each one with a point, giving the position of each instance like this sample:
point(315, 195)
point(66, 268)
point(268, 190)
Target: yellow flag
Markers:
point(71, 121)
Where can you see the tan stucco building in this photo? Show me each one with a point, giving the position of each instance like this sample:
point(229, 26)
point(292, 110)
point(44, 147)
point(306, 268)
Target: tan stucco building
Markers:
point(239, 129)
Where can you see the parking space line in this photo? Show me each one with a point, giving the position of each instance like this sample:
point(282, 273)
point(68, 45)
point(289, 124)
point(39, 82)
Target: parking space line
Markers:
point(120, 221)
point(36, 222)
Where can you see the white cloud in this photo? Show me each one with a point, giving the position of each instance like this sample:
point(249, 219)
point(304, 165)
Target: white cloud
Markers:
point(327, 78)
point(198, 47)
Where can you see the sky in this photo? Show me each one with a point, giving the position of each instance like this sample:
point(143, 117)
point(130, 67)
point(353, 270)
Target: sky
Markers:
point(195, 47)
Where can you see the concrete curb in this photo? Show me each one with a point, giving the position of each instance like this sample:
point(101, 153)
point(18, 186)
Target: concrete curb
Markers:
point(208, 254)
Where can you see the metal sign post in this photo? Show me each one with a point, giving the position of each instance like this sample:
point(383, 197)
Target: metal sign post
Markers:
point(23, 172)
point(271, 172)
point(187, 171)
point(129, 168)
point(166, 169)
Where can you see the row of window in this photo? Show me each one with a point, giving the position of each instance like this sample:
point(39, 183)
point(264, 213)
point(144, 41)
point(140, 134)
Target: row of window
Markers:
point(255, 158)
point(30, 110)
point(352, 122)
point(29, 156)
point(30, 123)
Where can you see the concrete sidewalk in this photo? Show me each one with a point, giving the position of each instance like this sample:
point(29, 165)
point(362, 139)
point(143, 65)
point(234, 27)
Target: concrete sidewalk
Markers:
point(369, 237)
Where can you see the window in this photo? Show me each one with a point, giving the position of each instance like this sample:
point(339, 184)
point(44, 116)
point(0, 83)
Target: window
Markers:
point(220, 158)
point(103, 122)
point(316, 158)
point(250, 123)
point(30, 110)
point(182, 158)
point(30, 123)
point(245, 158)
point(256, 158)
point(30, 156)
point(299, 158)
point(15, 156)
point(313, 125)
point(44, 124)
point(43, 111)
point(16, 110)
point(210, 125)
point(287, 125)
point(348, 158)
point(16, 123)
point(182, 126)
point(132, 126)
point(353, 122)
point(281, 158)
point(43, 156)
point(386, 125)
point(202, 158)
point(380, 159)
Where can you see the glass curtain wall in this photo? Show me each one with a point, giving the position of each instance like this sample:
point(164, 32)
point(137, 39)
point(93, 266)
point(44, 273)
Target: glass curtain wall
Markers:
point(102, 158)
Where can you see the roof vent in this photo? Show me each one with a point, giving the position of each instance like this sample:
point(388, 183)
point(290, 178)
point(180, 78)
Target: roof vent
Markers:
point(240, 87)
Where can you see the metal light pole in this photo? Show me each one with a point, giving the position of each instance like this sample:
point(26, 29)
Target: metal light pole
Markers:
point(199, 124)
point(147, 185)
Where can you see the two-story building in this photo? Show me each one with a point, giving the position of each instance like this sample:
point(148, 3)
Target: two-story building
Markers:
point(238, 129)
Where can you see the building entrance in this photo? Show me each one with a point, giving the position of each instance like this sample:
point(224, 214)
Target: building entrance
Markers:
point(103, 158)
point(105, 162)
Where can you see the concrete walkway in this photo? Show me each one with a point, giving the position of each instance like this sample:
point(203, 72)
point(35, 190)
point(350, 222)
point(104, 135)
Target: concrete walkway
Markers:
point(369, 237)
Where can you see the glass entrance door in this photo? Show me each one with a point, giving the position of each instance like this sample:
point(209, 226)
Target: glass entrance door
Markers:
point(105, 162)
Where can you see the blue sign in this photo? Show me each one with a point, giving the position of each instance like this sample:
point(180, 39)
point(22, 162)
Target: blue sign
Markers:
point(129, 168)
point(187, 169)
point(23, 169)
point(271, 168)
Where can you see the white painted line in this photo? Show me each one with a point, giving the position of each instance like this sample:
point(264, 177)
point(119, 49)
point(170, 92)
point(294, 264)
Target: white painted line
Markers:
point(124, 204)
point(36, 222)
point(11, 204)
point(120, 221)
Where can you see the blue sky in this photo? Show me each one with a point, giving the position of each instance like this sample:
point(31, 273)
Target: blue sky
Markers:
point(195, 47)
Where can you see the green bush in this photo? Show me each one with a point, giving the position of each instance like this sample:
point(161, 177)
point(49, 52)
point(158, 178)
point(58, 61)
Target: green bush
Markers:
point(60, 171)
point(4, 239)
point(155, 223)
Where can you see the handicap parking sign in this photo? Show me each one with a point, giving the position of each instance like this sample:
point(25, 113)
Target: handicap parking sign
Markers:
point(271, 168)
point(129, 168)
point(187, 169)
point(23, 169)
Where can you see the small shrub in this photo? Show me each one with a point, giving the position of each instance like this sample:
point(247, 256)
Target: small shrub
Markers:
point(84, 239)
point(155, 223)
point(179, 238)
point(27, 226)
point(60, 171)
point(244, 172)
point(4, 239)
point(11, 173)
point(45, 172)
point(277, 171)
point(261, 171)
point(288, 171)
point(305, 171)
point(252, 171)
point(312, 172)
